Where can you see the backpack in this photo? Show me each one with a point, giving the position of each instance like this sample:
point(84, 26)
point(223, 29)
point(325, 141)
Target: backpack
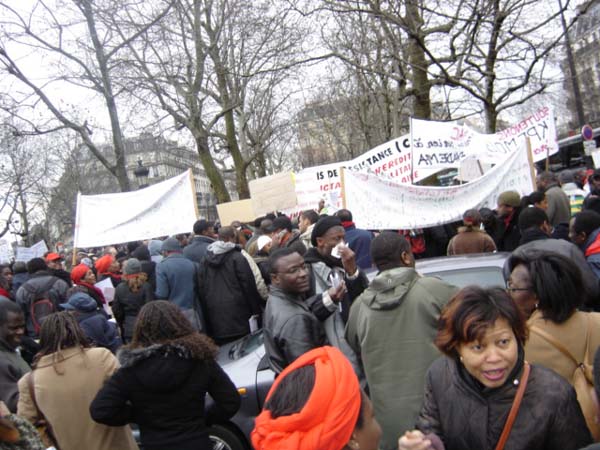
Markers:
point(43, 302)
point(583, 380)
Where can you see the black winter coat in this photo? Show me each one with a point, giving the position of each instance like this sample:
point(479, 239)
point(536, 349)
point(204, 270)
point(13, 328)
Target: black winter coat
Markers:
point(228, 294)
point(507, 237)
point(465, 417)
point(162, 389)
point(126, 306)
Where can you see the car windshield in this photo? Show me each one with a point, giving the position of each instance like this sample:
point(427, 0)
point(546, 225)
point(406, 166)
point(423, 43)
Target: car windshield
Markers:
point(483, 276)
point(246, 345)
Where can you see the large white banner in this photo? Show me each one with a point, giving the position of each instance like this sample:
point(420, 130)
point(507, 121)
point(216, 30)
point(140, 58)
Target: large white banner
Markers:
point(379, 204)
point(438, 145)
point(159, 210)
point(390, 160)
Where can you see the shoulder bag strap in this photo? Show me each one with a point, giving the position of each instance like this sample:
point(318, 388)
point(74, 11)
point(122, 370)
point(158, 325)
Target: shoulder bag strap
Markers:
point(559, 346)
point(514, 409)
point(41, 416)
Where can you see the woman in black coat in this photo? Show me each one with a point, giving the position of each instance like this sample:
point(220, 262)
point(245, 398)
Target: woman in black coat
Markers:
point(130, 295)
point(165, 374)
point(469, 393)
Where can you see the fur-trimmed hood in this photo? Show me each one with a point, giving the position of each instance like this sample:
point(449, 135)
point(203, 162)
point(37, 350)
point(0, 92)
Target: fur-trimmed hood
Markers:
point(159, 367)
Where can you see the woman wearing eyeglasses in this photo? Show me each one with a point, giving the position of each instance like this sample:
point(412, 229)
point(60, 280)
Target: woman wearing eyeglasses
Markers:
point(549, 289)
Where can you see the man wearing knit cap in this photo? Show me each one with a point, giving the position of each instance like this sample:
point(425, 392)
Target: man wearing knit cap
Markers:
point(508, 210)
point(330, 261)
point(175, 276)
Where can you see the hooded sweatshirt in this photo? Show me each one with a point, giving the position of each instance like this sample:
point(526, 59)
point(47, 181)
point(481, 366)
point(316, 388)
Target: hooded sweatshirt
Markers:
point(392, 326)
point(228, 291)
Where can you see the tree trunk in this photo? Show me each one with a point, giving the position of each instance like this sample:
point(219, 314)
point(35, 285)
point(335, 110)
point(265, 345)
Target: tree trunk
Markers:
point(212, 172)
point(491, 113)
point(418, 64)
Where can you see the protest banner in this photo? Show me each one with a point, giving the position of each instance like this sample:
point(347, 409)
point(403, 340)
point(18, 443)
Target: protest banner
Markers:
point(37, 250)
point(239, 210)
point(5, 252)
point(161, 209)
point(445, 144)
point(391, 160)
point(379, 204)
point(273, 193)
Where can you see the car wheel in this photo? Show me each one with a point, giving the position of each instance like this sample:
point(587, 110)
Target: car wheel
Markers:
point(223, 438)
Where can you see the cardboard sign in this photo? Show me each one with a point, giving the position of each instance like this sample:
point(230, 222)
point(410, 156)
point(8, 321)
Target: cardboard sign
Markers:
point(273, 193)
point(240, 210)
point(37, 250)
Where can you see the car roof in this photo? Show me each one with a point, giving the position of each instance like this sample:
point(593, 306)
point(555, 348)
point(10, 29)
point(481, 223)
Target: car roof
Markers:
point(459, 262)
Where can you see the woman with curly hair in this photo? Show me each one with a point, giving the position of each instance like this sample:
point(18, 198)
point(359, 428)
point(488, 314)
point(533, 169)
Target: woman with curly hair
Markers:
point(131, 294)
point(165, 374)
point(66, 376)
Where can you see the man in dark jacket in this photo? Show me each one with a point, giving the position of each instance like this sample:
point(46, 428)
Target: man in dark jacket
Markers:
point(358, 240)
point(203, 237)
point(290, 327)
point(507, 234)
point(228, 292)
point(12, 366)
point(41, 286)
point(175, 276)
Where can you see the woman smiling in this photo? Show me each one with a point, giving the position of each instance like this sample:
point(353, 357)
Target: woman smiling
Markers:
point(483, 395)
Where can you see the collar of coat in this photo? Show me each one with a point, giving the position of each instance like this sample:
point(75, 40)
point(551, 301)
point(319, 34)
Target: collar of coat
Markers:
point(129, 357)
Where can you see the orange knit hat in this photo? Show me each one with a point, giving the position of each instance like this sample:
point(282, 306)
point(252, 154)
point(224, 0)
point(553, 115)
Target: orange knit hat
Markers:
point(328, 418)
point(104, 263)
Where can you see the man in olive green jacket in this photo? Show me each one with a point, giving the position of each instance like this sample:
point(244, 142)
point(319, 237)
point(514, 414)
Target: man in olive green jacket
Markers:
point(392, 326)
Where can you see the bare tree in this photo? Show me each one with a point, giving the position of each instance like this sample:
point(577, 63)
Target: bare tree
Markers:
point(85, 55)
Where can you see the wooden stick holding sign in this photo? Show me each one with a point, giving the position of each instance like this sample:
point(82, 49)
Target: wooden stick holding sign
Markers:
point(531, 165)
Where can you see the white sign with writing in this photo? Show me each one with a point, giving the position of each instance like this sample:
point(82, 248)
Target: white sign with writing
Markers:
point(5, 252)
point(379, 204)
point(445, 144)
point(161, 209)
point(37, 250)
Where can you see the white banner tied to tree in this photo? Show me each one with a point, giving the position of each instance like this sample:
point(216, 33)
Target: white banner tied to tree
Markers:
point(439, 145)
point(159, 210)
point(379, 204)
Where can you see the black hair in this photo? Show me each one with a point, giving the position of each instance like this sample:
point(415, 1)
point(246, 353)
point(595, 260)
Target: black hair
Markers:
point(293, 392)
point(226, 233)
point(387, 249)
point(586, 222)
point(131, 246)
point(257, 221)
point(8, 307)
point(200, 226)
point(536, 197)
point(282, 223)
point(277, 255)
point(344, 215)
point(555, 280)
point(311, 215)
point(532, 217)
point(592, 203)
point(35, 265)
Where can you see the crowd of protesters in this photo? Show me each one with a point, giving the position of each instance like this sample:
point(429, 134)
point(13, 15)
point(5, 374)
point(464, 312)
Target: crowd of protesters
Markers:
point(368, 354)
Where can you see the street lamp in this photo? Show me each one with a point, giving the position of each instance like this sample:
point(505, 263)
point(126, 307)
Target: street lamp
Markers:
point(141, 173)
